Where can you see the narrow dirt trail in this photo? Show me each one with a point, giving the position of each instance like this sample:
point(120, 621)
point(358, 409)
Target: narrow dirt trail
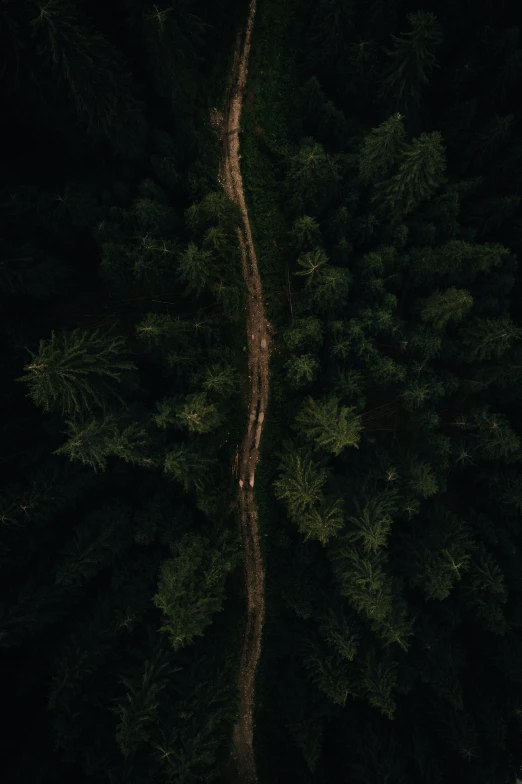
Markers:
point(242, 757)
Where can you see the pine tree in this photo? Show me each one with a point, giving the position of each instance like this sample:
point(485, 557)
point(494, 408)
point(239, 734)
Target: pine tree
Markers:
point(93, 71)
point(412, 59)
point(97, 540)
point(421, 172)
point(330, 426)
point(326, 286)
point(492, 137)
point(485, 338)
point(191, 589)
point(222, 379)
point(455, 257)
point(302, 370)
point(443, 306)
point(92, 441)
point(422, 481)
point(379, 683)
point(76, 371)
point(439, 557)
point(140, 707)
point(382, 149)
point(301, 482)
point(329, 672)
point(197, 269)
point(173, 37)
point(140, 244)
point(372, 524)
point(172, 341)
point(362, 579)
point(495, 438)
point(323, 521)
point(311, 263)
point(198, 414)
point(341, 635)
point(303, 333)
point(313, 178)
point(305, 234)
point(189, 466)
point(331, 27)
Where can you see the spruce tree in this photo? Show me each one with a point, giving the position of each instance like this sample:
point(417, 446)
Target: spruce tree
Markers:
point(421, 171)
point(412, 59)
point(301, 482)
point(74, 372)
point(94, 72)
point(382, 149)
point(191, 589)
point(443, 306)
point(330, 426)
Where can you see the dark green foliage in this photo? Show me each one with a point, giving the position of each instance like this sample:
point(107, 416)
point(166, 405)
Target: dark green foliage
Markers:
point(382, 149)
point(93, 72)
point(190, 589)
point(420, 173)
point(329, 426)
point(381, 155)
point(76, 371)
point(412, 59)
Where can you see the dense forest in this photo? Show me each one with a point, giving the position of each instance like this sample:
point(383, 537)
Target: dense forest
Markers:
point(381, 152)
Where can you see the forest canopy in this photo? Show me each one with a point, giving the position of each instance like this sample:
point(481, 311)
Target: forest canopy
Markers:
point(381, 157)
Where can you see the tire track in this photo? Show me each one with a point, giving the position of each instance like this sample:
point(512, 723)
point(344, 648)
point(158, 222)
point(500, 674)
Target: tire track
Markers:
point(242, 757)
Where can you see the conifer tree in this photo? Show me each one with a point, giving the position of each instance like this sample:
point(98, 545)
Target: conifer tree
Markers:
point(97, 540)
point(139, 244)
point(313, 178)
point(305, 234)
point(421, 172)
point(422, 481)
point(191, 589)
point(382, 148)
point(311, 263)
point(371, 526)
point(222, 379)
point(94, 73)
point(189, 466)
point(92, 441)
point(303, 333)
point(138, 711)
point(76, 371)
point(321, 522)
point(412, 59)
point(302, 370)
point(326, 286)
point(330, 426)
point(332, 25)
point(197, 268)
point(329, 672)
point(485, 338)
point(443, 306)
point(495, 438)
point(362, 579)
point(301, 482)
point(198, 414)
point(379, 682)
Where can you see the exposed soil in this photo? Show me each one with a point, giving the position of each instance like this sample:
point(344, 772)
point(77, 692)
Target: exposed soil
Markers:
point(242, 757)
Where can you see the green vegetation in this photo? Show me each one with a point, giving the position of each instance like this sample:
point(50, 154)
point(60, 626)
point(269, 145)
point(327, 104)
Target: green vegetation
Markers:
point(380, 150)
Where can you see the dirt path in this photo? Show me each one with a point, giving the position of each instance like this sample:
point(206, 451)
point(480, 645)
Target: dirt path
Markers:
point(243, 760)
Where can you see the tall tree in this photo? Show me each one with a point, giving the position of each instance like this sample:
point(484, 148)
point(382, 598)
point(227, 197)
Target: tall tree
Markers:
point(421, 172)
point(76, 371)
point(411, 59)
